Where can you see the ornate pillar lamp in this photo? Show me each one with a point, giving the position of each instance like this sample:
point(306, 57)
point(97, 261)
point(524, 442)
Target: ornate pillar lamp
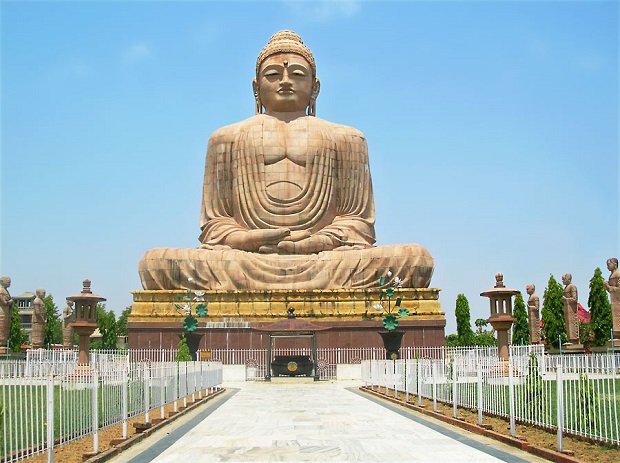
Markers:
point(501, 313)
point(85, 310)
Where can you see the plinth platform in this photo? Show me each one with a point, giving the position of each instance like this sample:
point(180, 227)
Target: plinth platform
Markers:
point(156, 323)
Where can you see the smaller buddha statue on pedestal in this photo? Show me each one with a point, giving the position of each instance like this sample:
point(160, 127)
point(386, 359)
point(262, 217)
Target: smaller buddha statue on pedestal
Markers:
point(613, 287)
point(38, 320)
point(533, 305)
point(571, 310)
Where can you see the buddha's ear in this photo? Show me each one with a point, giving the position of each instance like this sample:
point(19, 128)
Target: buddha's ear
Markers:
point(255, 89)
point(316, 88)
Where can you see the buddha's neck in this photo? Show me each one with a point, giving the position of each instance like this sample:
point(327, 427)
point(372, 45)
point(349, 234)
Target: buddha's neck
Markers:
point(286, 116)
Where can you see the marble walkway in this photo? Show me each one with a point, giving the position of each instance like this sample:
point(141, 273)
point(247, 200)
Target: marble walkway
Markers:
point(326, 421)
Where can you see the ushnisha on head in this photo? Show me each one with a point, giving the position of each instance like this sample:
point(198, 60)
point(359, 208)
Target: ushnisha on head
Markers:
point(285, 51)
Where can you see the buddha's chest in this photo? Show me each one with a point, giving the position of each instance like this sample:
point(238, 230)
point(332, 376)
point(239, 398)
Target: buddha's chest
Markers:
point(286, 143)
point(287, 151)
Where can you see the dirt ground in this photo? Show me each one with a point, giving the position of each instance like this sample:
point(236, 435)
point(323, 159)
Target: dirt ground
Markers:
point(72, 452)
point(585, 451)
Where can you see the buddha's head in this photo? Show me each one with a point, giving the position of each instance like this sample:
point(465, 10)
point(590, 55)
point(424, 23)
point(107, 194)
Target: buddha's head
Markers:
point(286, 76)
point(5, 281)
point(612, 264)
point(567, 278)
point(40, 292)
point(530, 289)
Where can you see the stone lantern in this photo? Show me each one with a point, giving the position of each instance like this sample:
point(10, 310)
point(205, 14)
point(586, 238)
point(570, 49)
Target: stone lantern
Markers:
point(85, 311)
point(501, 313)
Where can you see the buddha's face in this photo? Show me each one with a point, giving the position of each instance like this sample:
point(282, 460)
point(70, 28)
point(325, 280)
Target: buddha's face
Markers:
point(285, 83)
point(529, 289)
point(611, 265)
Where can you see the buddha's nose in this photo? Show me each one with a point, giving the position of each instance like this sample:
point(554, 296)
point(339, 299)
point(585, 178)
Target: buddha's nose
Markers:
point(285, 78)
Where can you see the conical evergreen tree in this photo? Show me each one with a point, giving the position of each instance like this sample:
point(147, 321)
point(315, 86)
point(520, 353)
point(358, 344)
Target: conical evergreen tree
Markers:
point(600, 309)
point(183, 354)
point(553, 314)
point(16, 334)
point(463, 322)
point(520, 328)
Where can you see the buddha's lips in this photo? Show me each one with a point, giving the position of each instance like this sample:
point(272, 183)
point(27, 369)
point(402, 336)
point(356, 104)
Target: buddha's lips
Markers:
point(286, 90)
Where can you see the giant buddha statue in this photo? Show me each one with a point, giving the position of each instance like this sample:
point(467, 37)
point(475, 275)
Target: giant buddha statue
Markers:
point(287, 198)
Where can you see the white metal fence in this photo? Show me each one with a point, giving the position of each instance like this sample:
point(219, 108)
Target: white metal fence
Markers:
point(576, 394)
point(51, 402)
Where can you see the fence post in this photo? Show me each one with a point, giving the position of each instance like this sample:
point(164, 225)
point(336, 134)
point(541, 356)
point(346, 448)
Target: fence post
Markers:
point(95, 410)
point(434, 369)
point(511, 397)
point(455, 391)
point(50, 418)
point(175, 388)
point(125, 399)
point(480, 404)
point(560, 404)
point(147, 392)
point(407, 365)
point(419, 372)
point(162, 389)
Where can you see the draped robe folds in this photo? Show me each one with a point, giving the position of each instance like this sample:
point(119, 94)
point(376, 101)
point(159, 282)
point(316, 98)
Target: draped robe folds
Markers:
point(335, 199)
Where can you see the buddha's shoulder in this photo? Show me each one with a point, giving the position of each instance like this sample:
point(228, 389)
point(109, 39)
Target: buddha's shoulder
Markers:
point(229, 132)
point(339, 130)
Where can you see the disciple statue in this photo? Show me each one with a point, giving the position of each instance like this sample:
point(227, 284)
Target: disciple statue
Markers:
point(38, 319)
point(613, 287)
point(287, 197)
point(5, 311)
point(67, 329)
point(533, 305)
point(571, 311)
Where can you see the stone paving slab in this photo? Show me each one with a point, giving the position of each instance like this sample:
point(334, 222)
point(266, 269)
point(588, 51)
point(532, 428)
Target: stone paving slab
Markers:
point(324, 421)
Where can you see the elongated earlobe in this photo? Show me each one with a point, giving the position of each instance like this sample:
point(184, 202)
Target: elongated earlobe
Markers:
point(313, 96)
point(258, 108)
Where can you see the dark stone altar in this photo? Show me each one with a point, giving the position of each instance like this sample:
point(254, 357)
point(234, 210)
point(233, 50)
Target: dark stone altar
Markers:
point(292, 365)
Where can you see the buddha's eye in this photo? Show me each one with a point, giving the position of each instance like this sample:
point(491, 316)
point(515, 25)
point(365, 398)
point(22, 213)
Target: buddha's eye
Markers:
point(271, 73)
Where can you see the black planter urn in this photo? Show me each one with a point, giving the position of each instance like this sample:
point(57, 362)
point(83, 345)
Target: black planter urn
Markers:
point(392, 341)
point(193, 343)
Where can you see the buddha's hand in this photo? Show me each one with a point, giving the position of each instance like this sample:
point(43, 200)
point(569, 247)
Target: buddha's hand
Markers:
point(311, 245)
point(253, 240)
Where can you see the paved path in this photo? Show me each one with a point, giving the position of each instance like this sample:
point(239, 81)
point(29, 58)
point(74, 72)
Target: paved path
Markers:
point(326, 421)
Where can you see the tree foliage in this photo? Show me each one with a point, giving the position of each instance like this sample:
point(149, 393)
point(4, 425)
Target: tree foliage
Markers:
point(122, 321)
point(107, 327)
point(521, 328)
point(601, 320)
point(53, 325)
point(16, 335)
point(484, 337)
point(553, 314)
point(463, 321)
point(183, 354)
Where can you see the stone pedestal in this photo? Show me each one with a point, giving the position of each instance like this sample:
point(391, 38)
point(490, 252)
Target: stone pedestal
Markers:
point(154, 322)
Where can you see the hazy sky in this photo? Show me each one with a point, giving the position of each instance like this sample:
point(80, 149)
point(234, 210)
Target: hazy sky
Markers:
point(492, 129)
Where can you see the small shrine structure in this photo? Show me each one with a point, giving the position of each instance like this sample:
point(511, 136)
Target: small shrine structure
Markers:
point(295, 328)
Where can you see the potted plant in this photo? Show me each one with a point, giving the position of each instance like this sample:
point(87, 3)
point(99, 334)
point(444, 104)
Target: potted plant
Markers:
point(392, 338)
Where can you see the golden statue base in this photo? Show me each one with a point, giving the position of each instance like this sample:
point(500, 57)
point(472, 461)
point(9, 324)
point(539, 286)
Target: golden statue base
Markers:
point(155, 322)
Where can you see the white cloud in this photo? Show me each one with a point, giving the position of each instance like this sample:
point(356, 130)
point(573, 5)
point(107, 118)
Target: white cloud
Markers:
point(136, 52)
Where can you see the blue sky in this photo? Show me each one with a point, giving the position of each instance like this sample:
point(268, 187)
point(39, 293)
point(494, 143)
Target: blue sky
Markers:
point(492, 129)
